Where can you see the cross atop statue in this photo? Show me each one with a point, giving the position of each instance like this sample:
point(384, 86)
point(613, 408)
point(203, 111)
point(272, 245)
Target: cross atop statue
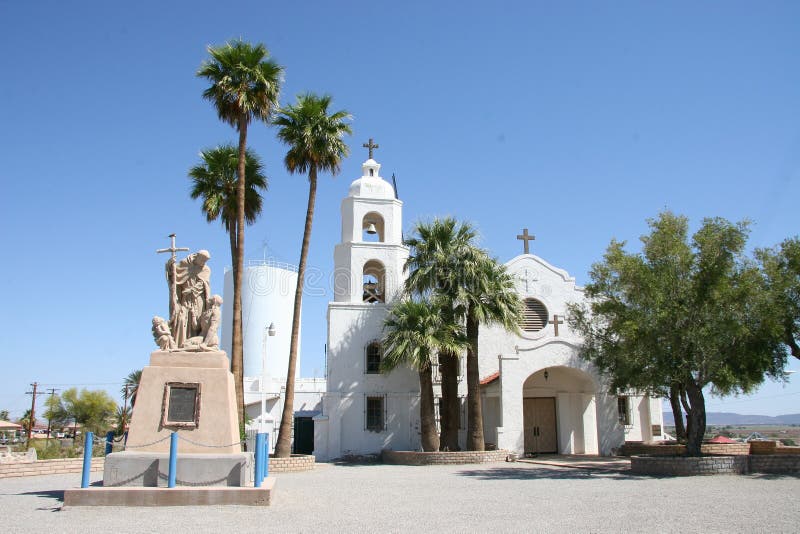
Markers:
point(525, 238)
point(371, 146)
point(172, 247)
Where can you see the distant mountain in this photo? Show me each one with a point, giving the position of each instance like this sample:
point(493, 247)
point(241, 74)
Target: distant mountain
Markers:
point(725, 418)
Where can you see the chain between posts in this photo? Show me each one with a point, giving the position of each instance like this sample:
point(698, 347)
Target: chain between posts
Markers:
point(165, 438)
point(210, 446)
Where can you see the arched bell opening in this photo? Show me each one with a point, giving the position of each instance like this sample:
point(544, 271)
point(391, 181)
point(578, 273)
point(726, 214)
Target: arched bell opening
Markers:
point(374, 282)
point(373, 228)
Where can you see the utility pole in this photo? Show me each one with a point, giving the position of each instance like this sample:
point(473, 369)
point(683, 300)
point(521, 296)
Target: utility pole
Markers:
point(125, 410)
point(32, 420)
point(52, 392)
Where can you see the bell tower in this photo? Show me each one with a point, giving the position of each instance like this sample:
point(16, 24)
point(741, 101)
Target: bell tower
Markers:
point(370, 257)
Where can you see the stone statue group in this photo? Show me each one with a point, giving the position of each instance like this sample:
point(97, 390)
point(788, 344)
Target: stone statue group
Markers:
point(194, 313)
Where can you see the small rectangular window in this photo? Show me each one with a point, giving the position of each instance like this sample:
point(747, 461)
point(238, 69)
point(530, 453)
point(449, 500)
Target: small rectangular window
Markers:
point(374, 413)
point(373, 358)
point(623, 410)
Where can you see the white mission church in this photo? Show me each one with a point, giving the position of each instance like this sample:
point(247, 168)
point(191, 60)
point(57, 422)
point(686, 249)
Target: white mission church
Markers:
point(539, 396)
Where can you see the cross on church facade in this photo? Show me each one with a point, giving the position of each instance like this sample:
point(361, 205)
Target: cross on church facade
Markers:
point(371, 146)
point(528, 278)
point(173, 249)
point(525, 238)
point(555, 322)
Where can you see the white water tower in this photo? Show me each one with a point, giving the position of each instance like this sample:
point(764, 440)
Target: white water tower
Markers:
point(267, 298)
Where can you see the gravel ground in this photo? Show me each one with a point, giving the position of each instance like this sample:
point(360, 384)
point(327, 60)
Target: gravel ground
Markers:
point(515, 497)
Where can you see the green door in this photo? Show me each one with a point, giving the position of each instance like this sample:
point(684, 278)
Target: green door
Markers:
point(303, 435)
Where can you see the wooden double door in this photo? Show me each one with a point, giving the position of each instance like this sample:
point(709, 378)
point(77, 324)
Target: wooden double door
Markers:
point(539, 423)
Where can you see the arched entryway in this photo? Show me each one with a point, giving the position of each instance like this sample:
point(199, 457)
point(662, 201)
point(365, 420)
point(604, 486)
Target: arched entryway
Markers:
point(559, 413)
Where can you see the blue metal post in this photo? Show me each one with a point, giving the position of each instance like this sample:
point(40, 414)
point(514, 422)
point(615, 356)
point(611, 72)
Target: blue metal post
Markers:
point(87, 458)
point(109, 442)
point(258, 471)
point(173, 459)
point(266, 454)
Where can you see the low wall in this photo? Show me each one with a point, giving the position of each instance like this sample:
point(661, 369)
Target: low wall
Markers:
point(775, 463)
point(442, 457)
point(689, 465)
point(296, 462)
point(655, 449)
point(48, 467)
point(772, 447)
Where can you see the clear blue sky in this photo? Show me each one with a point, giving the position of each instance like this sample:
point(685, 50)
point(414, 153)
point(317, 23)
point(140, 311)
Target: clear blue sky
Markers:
point(578, 120)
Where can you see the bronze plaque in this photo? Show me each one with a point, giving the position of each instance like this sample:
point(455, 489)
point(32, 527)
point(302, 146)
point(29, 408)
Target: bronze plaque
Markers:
point(181, 406)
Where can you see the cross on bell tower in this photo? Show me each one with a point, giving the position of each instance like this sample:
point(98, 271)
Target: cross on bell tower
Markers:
point(371, 146)
point(524, 237)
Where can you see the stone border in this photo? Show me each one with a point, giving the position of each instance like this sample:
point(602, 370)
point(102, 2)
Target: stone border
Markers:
point(296, 462)
point(654, 449)
point(442, 457)
point(780, 464)
point(689, 465)
point(49, 467)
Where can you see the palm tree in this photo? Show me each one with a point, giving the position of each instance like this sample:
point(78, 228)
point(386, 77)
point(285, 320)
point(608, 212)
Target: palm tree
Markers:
point(315, 145)
point(437, 250)
point(447, 262)
point(416, 332)
point(487, 297)
point(245, 84)
point(214, 180)
point(130, 386)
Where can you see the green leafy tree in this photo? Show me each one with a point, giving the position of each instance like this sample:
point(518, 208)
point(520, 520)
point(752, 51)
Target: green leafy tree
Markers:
point(245, 85)
point(781, 267)
point(25, 420)
point(415, 332)
point(681, 316)
point(315, 140)
point(4, 415)
point(93, 410)
point(214, 180)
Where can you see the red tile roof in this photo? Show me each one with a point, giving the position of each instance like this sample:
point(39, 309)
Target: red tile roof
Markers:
point(489, 379)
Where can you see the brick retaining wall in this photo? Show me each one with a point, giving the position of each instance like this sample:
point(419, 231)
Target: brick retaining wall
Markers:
point(689, 465)
point(441, 458)
point(724, 449)
point(775, 463)
point(48, 467)
point(296, 462)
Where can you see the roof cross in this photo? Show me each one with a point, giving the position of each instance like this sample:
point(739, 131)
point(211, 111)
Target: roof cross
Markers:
point(371, 146)
point(525, 238)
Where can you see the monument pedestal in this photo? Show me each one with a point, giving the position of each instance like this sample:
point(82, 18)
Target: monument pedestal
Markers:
point(193, 394)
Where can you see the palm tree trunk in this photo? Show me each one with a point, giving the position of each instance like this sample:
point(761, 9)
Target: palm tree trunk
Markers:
point(237, 348)
point(427, 417)
point(474, 413)
point(449, 406)
point(283, 447)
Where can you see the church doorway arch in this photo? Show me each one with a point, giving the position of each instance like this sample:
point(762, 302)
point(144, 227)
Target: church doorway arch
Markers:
point(558, 412)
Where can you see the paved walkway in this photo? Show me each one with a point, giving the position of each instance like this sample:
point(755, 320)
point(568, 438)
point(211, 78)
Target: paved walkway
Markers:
point(504, 497)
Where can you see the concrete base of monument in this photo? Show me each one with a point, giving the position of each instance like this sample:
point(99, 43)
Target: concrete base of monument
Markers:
point(178, 496)
point(151, 469)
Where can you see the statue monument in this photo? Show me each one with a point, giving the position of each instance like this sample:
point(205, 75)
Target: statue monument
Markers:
point(187, 388)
